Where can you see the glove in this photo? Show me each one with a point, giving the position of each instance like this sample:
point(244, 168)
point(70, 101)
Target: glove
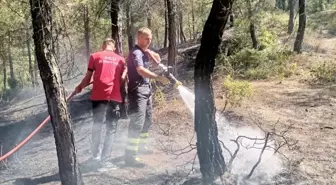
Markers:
point(178, 83)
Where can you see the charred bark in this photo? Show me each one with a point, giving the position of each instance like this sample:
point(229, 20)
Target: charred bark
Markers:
point(255, 43)
point(165, 42)
point(87, 31)
point(208, 148)
point(291, 4)
point(129, 25)
point(55, 93)
point(172, 33)
point(302, 26)
point(116, 28)
point(30, 63)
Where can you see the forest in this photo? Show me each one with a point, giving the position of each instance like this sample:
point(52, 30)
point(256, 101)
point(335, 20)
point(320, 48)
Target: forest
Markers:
point(262, 74)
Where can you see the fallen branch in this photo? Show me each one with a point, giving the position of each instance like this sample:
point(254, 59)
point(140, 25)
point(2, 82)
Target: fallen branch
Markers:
point(260, 156)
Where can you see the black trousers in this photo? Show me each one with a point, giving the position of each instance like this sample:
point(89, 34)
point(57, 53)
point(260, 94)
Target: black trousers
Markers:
point(140, 114)
point(107, 112)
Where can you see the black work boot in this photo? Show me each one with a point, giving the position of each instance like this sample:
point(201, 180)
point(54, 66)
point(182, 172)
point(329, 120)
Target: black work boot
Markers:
point(131, 160)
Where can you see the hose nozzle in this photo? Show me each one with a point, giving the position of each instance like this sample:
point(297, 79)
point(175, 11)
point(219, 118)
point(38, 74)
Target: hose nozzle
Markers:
point(170, 76)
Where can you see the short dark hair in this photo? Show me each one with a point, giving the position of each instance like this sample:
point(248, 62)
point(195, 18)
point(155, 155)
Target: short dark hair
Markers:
point(109, 41)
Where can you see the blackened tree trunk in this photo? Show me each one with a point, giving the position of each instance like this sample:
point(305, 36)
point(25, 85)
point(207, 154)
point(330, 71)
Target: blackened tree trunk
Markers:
point(55, 94)
point(193, 19)
point(208, 148)
point(291, 4)
point(182, 35)
point(302, 26)
point(172, 33)
point(86, 31)
point(30, 63)
point(165, 42)
point(10, 60)
point(35, 71)
point(4, 74)
point(280, 4)
point(116, 28)
point(129, 24)
point(253, 35)
point(252, 29)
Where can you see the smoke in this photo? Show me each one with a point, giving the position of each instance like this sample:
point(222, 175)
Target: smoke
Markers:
point(246, 158)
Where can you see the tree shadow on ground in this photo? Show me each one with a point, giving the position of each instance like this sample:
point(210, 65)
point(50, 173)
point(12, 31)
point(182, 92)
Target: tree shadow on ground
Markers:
point(313, 98)
point(35, 181)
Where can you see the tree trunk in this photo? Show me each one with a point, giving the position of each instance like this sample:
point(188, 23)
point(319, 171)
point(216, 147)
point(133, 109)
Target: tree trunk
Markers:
point(129, 24)
point(165, 42)
point(302, 26)
point(189, 28)
point(10, 60)
point(182, 36)
point(4, 75)
point(177, 30)
point(157, 36)
point(321, 4)
point(35, 70)
point(87, 31)
point(55, 94)
point(208, 148)
point(172, 34)
point(280, 4)
point(31, 70)
point(116, 28)
point(253, 36)
point(252, 29)
point(291, 4)
point(193, 19)
point(284, 6)
point(149, 22)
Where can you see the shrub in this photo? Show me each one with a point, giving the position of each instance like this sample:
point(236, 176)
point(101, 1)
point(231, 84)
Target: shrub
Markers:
point(324, 73)
point(255, 65)
point(235, 91)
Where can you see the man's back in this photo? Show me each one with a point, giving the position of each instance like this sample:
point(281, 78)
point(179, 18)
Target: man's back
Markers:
point(108, 68)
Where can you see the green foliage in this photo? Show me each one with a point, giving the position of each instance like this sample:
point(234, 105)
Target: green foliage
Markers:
point(257, 64)
point(235, 91)
point(315, 5)
point(266, 39)
point(275, 22)
point(324, 73)
point(323, 20)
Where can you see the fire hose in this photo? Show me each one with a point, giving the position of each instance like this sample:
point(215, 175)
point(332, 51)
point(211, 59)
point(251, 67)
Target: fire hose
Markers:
point(17, 147)
point(166, 72)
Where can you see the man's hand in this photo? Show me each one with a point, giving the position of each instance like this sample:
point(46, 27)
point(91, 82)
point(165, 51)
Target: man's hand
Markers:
point(162, 79)
point(78, 89)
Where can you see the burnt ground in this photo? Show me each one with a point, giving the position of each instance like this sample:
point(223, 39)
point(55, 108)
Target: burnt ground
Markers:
point(309, 108)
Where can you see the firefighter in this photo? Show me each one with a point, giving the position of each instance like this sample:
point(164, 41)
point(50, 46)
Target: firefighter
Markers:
point(109, 71)
point(140, 97)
